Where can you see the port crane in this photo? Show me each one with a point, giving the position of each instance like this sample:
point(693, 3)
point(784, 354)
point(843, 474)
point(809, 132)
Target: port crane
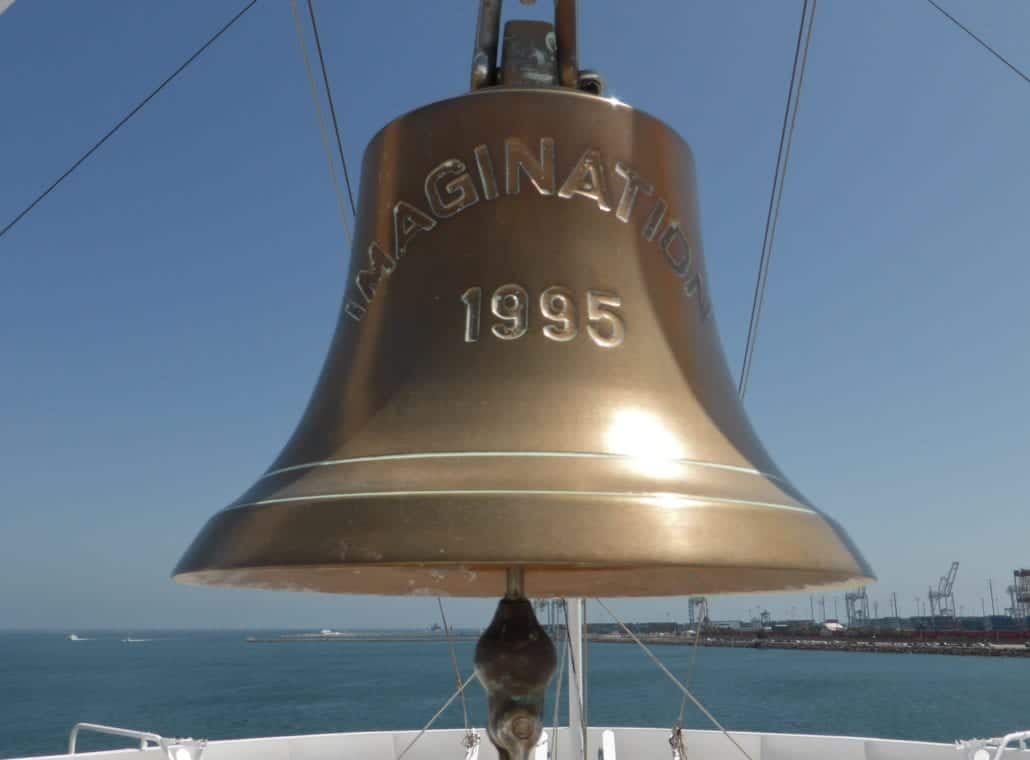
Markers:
point(1019, 593)
point(942, 599)
point(697, 611)
point(856, 605)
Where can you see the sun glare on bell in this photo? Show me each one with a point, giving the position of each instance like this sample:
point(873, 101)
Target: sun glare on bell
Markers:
point(640, 435)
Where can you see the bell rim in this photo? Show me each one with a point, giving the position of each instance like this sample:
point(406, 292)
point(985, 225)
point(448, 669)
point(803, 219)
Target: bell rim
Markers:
point(320, 578)
point(632, 545)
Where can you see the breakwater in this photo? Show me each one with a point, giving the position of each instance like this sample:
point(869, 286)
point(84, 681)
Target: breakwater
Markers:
point(355, 638)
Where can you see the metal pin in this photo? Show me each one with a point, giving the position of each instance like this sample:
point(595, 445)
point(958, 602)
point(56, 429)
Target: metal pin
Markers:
point(484, 53)
point(516, 583)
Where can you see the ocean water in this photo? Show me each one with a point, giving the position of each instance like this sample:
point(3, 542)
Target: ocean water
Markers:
point(215, 685)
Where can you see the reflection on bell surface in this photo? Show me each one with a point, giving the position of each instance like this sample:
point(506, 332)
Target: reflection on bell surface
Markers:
point(526, 373)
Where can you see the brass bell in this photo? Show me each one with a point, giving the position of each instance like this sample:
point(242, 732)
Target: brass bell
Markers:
point(526, 373)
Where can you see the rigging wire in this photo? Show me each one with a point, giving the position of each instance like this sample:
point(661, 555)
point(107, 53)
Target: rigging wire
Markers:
point(686, 692)
point(320, 119)
point(573, 673)
point(797, 79)
point(983, 43)
point(332, 106)
point(457, 670)
point(690, 672)
point(139, 106)
point(441, 711)
point(562, 646)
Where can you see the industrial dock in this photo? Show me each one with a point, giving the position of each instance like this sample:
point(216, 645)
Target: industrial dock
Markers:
point(936, 628)
point(853, 644)
point(939, 627)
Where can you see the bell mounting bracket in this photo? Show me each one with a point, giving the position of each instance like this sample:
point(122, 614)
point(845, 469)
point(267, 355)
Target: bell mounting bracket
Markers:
point(535, 53)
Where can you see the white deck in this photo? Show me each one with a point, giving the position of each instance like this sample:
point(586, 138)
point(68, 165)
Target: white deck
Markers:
point(629, 744)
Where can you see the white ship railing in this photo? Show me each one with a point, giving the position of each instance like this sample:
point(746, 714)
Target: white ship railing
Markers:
point(979, 749)
point(143, 736)
point(609, 743)
point(1022, 737)
point(174, 749)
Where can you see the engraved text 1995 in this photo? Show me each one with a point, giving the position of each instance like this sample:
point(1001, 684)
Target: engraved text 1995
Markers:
point(511, 305)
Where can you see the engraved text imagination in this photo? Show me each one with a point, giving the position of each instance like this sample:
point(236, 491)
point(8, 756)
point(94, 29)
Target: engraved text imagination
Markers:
point(454, 185)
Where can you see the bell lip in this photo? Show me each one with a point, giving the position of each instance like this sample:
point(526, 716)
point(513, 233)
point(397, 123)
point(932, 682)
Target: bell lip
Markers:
point(288, 578)
point(620, 545)
point(564, 92)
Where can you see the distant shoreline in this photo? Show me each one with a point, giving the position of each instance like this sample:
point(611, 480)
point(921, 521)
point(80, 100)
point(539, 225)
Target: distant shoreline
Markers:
point(982, 649)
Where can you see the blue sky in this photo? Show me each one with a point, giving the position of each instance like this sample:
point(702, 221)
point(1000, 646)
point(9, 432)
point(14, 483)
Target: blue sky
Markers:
point(164, 314)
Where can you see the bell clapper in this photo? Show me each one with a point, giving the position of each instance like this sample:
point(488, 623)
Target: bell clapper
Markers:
point(515, 660)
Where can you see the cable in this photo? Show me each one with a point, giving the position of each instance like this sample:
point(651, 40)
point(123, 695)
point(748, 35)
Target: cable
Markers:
point(686, 692)
point(690, 672)
point(779, 175)
point(983, 43)
point(563, 643)
point(454, 696)
point(797, 78)
point(574, 674)
point(320, 119)
point(454, 660)
point(129, 115)
point(332, 106)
